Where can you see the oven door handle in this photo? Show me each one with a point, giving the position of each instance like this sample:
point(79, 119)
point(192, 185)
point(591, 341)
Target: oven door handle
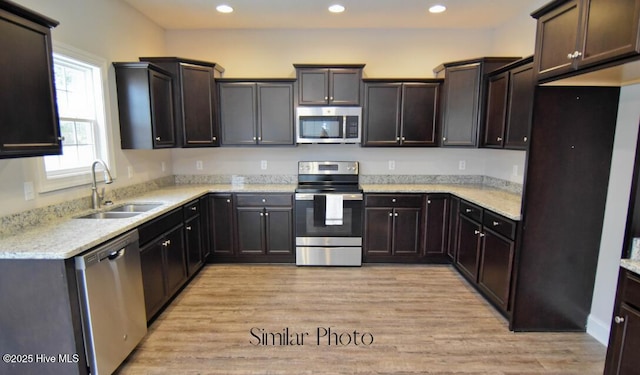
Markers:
point(346, 197)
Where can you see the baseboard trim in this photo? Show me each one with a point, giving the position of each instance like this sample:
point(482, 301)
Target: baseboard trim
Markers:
point(598, 329)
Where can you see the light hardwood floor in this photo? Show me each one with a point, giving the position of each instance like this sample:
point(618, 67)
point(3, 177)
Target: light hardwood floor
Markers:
point(423, 320)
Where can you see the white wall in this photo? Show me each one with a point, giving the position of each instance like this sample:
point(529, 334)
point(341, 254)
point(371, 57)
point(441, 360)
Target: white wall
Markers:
point(615, 213)
point(113, 31)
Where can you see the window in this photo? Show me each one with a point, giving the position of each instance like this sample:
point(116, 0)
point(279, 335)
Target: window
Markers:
point(80, 96)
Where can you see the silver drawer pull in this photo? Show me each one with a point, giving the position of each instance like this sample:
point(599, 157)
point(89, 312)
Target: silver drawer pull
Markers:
point(495, 223)
point(618, 319)
point(194, 208)
point(476, 232)
point(188, 228)
point(468, 210)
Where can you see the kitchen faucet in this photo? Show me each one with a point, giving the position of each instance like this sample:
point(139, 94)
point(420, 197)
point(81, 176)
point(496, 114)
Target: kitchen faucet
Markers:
point(95, 197)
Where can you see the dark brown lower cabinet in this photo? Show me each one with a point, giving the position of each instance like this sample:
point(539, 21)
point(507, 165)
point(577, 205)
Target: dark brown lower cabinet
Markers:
point(624, 340)
point(221, 228)
point(194, 237)
point(452, 245)
point(264, 227)
point(394, 227)
point(437, 227)
point(468, 248)
point(496, 267)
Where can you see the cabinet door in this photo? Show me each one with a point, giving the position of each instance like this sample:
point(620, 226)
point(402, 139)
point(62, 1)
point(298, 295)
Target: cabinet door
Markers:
point(518, 125)
point(556, 36)
point(462, 93)
point(609, 30)
point(468, 247)
point(238, 113)
point(344, 86)
point(153, 282)
point(28, 113)
point(314, 86)
point(198, 119)
point(407, 237)
point(221, 225)
point(193, 236)
point(162, 110)
point(250, 222)
point(378, 231)
point(496, 266)
point(176, 260)
point(382, 114)
point(419, 114)
point(275, 113)
point(279, 230)
point(496, 110)
point(437, 224)
point(623, 358)
point(454, 207)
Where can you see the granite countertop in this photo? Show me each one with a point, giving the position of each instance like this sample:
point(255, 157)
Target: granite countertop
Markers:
point(631, 264)
point(499, 201)
point(68, 237)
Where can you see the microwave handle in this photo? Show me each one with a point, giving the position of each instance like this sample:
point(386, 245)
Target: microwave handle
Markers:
point(344, 128)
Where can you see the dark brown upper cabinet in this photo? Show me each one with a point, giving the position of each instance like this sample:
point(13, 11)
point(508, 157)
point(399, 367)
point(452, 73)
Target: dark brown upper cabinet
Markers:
point(507, 119)
point(577, 34)
point(401, 112)
point(329, 85)
point(463, 99)
point(194, 99)
point(145, 106)
point(28, 113)
point(256, 112)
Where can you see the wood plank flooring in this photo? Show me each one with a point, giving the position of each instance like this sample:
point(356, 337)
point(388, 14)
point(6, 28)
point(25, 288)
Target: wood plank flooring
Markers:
point(423, 320)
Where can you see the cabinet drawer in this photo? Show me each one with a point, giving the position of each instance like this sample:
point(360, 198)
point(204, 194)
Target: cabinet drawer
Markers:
point(471, 211)
point(499, 224)
point(394, 200)
point(154, 228)
point(191, 209)
point(631, 290)
point(262, 200)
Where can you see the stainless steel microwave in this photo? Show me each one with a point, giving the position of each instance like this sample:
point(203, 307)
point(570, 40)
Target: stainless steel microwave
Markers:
point(328, 124)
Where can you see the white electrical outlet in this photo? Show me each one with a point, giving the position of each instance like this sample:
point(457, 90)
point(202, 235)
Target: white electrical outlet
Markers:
point(29, 193)
point(130, 171)
point(392, 165)
point(515, 169)
point(163, 166)
point(199, 165)
point(462, 165)
point(263, 164)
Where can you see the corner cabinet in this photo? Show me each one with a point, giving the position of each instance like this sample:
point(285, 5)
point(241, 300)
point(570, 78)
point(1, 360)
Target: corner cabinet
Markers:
point(221, 228)
point(622, 357)
point(577, 34)
point(145, 106)
point(335, 85)
point(507, 120)
point(463, 99)
point(194, 99)
point(256, 112)
point(401, 113)
point(28, 114)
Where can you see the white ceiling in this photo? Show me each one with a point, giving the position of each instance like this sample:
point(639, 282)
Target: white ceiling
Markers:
point(388, 14)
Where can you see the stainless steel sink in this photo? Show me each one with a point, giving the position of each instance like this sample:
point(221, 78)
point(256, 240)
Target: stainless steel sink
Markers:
point(109, 215)
point(135, 207)
point(123, 211)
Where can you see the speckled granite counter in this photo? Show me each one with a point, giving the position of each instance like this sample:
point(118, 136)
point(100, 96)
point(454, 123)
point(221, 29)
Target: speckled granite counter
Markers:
point(67, 237)
point(631, 265)
point(499, 201)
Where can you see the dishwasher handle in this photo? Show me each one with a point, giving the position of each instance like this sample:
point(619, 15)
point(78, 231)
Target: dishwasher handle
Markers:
point(114, 255)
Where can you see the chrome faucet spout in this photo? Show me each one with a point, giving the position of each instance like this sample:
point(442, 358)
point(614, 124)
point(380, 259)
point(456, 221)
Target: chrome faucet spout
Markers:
point(96, 198)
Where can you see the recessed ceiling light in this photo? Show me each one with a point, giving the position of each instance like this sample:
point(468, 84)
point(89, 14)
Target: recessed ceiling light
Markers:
point(437, 8)
point(336, 8)
point(224, 8)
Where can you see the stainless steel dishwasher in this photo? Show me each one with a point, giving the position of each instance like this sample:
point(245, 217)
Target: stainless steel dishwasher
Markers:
point(112, 302)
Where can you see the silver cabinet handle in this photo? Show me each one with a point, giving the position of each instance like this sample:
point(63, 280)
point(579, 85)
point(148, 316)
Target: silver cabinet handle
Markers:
point(476, 232)
point(261, 213)
point(570, 56)
point(403, 139)
point(266, 214)
point(393, 200)
point(397, 138)
point(396, 214)
point(499, 139)
point(444, 138)
point(259, 138)
point(429, 201)
point(254, 138)
point(194, 208)
point(61, 139)
point(331, 98)
point(618, 319)
point(390, 213)
point(158, 139)
point(228, 200)
point(525, 139)
point(495, 223)
point(214, 138)
point(481, 234)
point(326, 98)
point(188, 228)
point(264, 200)
point(577, 54)
point(468, 210)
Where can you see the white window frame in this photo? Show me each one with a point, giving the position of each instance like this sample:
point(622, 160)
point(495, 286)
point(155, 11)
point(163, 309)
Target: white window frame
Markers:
point(73, 178)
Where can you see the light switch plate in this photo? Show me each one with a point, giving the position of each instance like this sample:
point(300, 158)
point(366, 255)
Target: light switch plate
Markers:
point(392, 165)
point(199, 165)
point(462, 165)
point(263, 164)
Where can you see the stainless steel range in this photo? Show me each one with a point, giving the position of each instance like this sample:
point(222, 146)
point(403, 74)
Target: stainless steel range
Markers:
point(328, 214)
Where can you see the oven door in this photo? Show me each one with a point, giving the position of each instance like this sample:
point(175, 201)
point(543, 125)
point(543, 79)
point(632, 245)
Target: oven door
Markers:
point(312, 228)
